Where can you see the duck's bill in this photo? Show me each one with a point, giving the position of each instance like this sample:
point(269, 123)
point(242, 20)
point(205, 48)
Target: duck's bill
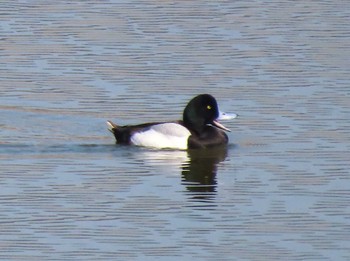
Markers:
point(226, 116)
point(220, 126)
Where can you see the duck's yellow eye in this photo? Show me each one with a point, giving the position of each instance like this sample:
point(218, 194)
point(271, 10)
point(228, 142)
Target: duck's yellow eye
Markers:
point(208, 107)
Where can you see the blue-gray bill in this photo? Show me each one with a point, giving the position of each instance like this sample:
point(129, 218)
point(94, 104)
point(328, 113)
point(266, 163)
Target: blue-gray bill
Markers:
point(223, 116)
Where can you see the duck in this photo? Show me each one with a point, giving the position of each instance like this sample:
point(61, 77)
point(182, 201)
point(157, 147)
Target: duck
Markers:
point(199, 128)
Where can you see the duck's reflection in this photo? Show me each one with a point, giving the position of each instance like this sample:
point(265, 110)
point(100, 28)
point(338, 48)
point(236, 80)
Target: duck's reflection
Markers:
point(198, 168)
point(199, 172)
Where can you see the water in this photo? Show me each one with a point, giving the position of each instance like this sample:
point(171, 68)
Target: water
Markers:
point(280, 191)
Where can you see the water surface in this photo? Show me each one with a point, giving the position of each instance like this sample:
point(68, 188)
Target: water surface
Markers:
point(279, 191)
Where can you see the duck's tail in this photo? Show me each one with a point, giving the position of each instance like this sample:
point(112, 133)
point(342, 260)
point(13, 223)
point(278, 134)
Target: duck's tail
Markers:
point(121, 134)
point(111, 126)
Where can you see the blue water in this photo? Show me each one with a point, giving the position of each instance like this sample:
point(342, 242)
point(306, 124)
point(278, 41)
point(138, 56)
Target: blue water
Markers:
point(279, 191)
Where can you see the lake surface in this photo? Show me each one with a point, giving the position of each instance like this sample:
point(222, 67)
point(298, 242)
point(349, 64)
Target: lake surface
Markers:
point(280, 191)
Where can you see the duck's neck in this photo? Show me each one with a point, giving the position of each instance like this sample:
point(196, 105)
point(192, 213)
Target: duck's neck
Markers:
point(193, 124)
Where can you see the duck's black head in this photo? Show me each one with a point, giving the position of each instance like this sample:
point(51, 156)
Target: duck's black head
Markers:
point(200, 112)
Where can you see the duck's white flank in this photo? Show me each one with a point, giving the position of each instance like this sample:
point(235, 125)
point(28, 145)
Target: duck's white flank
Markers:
point(165, 135)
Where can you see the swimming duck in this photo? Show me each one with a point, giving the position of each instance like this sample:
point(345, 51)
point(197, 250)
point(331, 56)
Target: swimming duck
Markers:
point(198, 129)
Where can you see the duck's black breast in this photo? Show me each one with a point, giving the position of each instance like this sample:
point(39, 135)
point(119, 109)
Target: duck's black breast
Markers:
point(209, 137)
